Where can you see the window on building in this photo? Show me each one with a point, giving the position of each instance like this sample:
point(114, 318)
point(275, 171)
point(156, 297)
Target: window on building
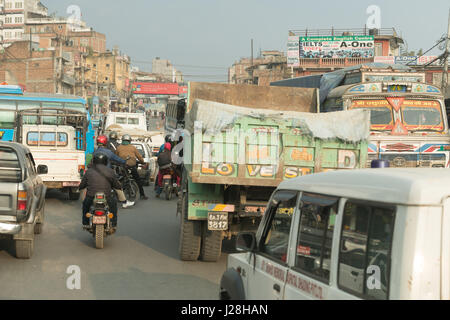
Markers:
point(276, 236)
point(18, 35)
point(8, 20)
point(18, 20)
point(365, 249)
point(8, 5)
point(317, 220)
point(19, 5)
point(8, 35)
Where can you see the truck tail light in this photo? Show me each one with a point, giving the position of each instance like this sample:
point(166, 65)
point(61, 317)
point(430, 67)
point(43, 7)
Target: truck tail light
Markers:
point(22, 201)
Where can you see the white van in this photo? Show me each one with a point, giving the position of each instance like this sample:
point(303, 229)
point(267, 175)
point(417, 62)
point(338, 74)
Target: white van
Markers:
point(359, 234)
point(125, 121)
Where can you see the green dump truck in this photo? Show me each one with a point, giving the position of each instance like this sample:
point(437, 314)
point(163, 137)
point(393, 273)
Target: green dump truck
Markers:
point(237, 154)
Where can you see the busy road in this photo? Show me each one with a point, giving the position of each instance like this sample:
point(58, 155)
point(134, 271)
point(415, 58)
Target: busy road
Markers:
point(139, 262)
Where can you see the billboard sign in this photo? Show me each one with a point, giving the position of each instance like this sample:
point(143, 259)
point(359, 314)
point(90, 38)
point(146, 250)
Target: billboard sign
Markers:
point(293, 52)
point(337, 47)
point(153, 88)
point(407, 60)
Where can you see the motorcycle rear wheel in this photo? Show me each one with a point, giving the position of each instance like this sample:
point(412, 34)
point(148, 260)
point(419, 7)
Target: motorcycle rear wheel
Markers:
point(99, 236)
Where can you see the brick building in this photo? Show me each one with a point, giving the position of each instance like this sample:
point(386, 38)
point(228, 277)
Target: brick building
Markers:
point(108, 76)
point(24, 64)
point(270, 66)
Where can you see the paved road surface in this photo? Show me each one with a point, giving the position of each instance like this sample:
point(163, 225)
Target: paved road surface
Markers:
point(139, 262)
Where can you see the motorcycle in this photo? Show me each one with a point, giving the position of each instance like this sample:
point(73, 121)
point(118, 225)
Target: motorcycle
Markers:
point(100, 219)
point(129, 185)
point(169, 183)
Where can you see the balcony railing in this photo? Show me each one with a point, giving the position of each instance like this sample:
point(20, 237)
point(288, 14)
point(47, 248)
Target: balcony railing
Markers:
point(343, 32)
point(333, 62)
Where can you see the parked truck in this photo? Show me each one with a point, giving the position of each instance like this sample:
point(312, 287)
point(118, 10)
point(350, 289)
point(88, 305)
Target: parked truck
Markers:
point(241, 142)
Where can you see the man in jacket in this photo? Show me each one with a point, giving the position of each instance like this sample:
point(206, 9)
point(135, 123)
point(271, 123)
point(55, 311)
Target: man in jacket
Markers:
point(127, 151)
point(112, 143)
point(99, 178)
point(102, 142)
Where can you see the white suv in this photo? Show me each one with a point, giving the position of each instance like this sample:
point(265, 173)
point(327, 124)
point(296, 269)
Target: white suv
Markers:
point(359, 234)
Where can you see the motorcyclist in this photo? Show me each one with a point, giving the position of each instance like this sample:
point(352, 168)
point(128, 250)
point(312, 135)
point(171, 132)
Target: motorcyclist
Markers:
point(168, 139)
point(112, 143)
point(102, 142)
point(127, 151)
point(100, 178)
point(165, 164)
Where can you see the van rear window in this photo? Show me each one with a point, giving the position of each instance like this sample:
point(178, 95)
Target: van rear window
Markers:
point(9, 166)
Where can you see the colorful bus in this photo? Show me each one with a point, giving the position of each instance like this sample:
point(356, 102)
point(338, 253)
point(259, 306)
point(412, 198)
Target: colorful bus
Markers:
point(409, 125)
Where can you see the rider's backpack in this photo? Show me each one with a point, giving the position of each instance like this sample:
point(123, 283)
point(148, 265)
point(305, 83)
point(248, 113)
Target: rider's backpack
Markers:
point(164, 158)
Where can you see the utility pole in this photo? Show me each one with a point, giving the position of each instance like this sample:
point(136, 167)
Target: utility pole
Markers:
point(446, 54)
point(251, 62)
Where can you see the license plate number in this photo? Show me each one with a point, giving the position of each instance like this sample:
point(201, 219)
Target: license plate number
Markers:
point(218, 220)
point(167, 177)
point(99, 220)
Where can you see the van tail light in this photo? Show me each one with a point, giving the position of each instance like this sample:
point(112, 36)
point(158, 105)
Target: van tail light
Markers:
point(22, 201)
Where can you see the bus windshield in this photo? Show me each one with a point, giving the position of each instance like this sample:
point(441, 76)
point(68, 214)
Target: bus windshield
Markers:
point(381, 116)
point(415, 115)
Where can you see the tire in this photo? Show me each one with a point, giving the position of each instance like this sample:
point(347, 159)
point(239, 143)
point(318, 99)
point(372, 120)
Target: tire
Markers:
point(74, 196)
point(131, 191)
point(211, 245)
point(24, 248)
point(38, 228)
point(39, 225)
point(190, 242)
point(99, 235)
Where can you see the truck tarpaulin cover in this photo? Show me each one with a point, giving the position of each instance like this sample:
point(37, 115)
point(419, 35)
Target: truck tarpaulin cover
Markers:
point(349, 126)
point(331, 80)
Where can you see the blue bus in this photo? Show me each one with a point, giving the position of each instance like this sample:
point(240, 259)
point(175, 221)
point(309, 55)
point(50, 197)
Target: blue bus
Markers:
point(14, 100)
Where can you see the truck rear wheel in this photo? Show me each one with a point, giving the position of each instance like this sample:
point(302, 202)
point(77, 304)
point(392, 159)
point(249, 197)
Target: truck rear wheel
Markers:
point(211, 244)
point(24, 248)
point(190, 234)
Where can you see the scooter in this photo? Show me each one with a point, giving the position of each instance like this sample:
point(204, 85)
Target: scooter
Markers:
point(100, 219)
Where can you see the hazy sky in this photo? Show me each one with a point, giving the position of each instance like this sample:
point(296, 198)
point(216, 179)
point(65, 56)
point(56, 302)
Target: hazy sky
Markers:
point(204, 37)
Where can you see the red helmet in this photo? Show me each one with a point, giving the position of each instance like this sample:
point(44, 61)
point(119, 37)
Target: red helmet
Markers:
point(102, 140)
point(168, 146)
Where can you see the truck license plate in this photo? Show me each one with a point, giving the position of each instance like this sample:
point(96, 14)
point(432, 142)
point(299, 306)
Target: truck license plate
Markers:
point(99, 220)
point(218, 220)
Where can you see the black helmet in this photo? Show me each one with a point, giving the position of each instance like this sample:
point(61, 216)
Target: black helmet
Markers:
point(100, 158)
point(168, 138)
point(126, 137)
point(113, 135)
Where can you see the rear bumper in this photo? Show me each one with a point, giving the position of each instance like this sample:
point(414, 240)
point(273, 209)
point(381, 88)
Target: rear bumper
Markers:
point(10, 228)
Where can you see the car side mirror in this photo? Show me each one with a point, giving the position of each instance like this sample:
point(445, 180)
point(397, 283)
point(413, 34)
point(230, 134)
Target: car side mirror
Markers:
point(42, 169)
point(246, 242)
